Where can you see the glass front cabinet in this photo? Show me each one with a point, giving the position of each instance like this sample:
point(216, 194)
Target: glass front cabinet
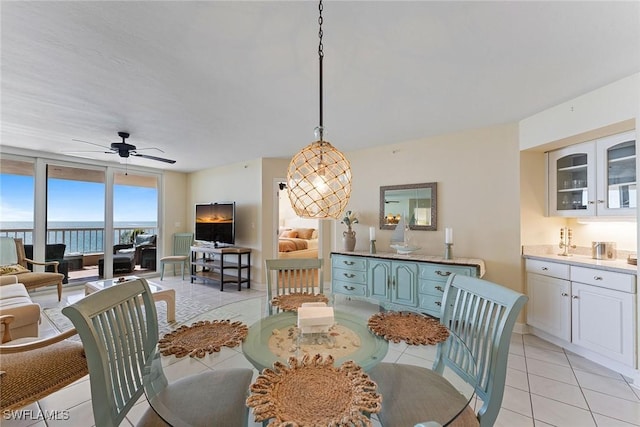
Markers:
point(595, 178)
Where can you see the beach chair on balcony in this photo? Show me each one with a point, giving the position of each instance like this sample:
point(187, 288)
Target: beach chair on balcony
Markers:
point(14, 262)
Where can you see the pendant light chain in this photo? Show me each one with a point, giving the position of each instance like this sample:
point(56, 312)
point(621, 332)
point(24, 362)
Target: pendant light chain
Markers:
point(320, 57)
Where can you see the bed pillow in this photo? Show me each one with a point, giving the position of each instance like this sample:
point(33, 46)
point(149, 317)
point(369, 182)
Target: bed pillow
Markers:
point(292, 234)
point(305, 233)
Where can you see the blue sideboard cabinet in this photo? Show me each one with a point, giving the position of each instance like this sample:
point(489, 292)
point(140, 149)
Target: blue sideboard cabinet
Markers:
point(414, 283)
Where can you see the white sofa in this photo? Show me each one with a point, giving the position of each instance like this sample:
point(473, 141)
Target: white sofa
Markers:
point(15, 301)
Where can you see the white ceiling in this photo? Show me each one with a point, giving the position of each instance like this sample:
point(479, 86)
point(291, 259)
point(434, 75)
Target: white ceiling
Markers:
point(214, 83)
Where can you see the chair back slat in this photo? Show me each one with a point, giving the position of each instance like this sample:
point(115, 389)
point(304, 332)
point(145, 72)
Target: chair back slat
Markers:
point(118, 328)
point(285, 276)
point(482, 314)
point(182, 243)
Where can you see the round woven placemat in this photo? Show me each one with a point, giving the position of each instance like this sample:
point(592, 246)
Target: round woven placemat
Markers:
point(203, 337)
point(413, 328)
point(292, 301)
point(312, 392)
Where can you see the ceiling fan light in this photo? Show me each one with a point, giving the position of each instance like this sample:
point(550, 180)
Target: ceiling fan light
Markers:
point(319, 181)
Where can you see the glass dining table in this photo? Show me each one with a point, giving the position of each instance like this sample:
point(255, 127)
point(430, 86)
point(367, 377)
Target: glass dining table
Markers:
point(365, 348)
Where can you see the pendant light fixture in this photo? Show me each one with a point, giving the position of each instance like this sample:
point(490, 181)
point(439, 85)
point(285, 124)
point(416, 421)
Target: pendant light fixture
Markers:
point(319, 176)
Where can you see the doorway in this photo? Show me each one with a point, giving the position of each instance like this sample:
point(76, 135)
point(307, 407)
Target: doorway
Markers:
point(297, 237)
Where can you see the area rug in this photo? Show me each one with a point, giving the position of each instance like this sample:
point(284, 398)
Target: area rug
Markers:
point(203, 337)
point(186, 309)
point(413, 328)
point(312, 391)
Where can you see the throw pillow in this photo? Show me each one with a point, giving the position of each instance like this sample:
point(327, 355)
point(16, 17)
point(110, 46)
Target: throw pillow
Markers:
point(305, 233)
point(290, 234)
point(12, 269)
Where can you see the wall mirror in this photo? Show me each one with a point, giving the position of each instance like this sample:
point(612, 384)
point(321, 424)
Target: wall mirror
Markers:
point(415, 202)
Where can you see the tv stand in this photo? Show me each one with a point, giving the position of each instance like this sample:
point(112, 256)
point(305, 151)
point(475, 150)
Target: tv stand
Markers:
point(211, 264)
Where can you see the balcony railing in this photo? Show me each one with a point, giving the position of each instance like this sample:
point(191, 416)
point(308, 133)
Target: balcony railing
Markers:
point(79, 240)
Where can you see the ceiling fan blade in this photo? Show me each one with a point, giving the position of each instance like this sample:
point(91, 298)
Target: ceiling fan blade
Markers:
point(160, 159)
point(150, 148)
point(92, 143)
point(88, 151)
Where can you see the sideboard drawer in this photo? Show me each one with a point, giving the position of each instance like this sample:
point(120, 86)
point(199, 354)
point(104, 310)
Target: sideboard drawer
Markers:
point(431, 287)
point(430, 303)
point(441, 272)
point(349, 262)
point(546, 268)
point(351, 276)
point(346, 288)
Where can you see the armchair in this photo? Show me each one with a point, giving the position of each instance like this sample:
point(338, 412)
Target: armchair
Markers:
point(141, 243)
point(52, 252)
point(14, 262)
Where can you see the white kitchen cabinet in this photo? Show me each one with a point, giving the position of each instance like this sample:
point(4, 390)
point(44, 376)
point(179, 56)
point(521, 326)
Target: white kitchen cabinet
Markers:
point(602, 321)
point(594, 178)
point(591, 308)
point(549, 307)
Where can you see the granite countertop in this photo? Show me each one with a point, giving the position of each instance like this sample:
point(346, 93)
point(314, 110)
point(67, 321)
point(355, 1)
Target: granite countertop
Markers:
point(473, 262)
point(619, 265)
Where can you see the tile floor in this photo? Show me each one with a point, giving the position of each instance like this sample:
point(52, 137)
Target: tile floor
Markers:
point(546, 386)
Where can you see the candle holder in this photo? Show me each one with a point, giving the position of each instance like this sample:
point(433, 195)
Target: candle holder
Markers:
point(448, 251)
point(372, 246)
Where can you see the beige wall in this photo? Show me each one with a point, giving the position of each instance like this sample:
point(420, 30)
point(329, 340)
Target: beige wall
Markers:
point(174, 209)
point(477, 173)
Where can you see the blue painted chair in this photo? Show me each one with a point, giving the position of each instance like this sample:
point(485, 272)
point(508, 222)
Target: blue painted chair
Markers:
point(181, 251)
point(483, 315)
point(119, 331)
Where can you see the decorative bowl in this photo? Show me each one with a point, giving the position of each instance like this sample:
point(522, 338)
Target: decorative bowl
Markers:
point(405, 250)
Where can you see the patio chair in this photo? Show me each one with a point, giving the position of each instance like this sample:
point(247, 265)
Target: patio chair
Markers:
point(14, 262)
point(482, 314)
point(31, 369)
point(119, 330)
point(181, 251)
point(293, 281)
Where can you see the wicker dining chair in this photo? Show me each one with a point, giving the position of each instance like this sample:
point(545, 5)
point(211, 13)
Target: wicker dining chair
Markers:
point(482, 314)
point(119, 330)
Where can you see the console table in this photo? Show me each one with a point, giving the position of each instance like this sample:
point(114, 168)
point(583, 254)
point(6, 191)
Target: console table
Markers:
point(213, 264)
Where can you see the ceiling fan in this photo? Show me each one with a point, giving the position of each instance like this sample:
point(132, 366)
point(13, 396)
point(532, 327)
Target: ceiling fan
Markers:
point(124, 150)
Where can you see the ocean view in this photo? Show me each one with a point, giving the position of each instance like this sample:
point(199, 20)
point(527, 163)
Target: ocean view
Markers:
point(79, 236)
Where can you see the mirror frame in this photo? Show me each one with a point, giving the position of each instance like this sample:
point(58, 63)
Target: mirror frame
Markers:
point(434, 211)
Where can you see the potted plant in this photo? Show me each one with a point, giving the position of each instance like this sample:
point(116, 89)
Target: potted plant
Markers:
point(349, 236)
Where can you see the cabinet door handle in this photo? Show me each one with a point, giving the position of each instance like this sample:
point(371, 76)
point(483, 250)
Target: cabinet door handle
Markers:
point(544, 268)
point(388, 282)
point(597, 277)
point(349, 262)
point(591, 202)
point(575, 296)
point(349, 288)
point(438, 303)
point(445, 274)
point(439, 288)
point(350, 276)
point(564, 294)
point(600, 201)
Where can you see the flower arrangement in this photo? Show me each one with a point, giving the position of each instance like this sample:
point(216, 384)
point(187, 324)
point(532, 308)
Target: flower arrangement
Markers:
point(349, 219)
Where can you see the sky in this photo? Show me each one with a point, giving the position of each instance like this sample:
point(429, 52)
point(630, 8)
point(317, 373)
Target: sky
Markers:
point(75, 200)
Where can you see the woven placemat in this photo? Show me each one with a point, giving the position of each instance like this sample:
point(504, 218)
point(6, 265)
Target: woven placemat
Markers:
point(312, 392)
point(292, 301)
point(203, 337)
point(413, 328)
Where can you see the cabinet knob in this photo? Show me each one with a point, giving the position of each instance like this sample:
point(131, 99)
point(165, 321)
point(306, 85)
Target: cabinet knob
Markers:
point(350, 276)
point(544, 268)
point(597, 277)
point(575, 297)
point(444, 274)
point(438, 303)
point(349, 288)
point(439, 288)
point(591, 202)
point(564, 294)
point(600, 201)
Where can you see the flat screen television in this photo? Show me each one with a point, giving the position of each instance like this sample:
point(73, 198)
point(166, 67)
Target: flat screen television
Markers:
point(215, 223)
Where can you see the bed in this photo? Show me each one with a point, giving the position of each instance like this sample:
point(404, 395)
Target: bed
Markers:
point(298, 243)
